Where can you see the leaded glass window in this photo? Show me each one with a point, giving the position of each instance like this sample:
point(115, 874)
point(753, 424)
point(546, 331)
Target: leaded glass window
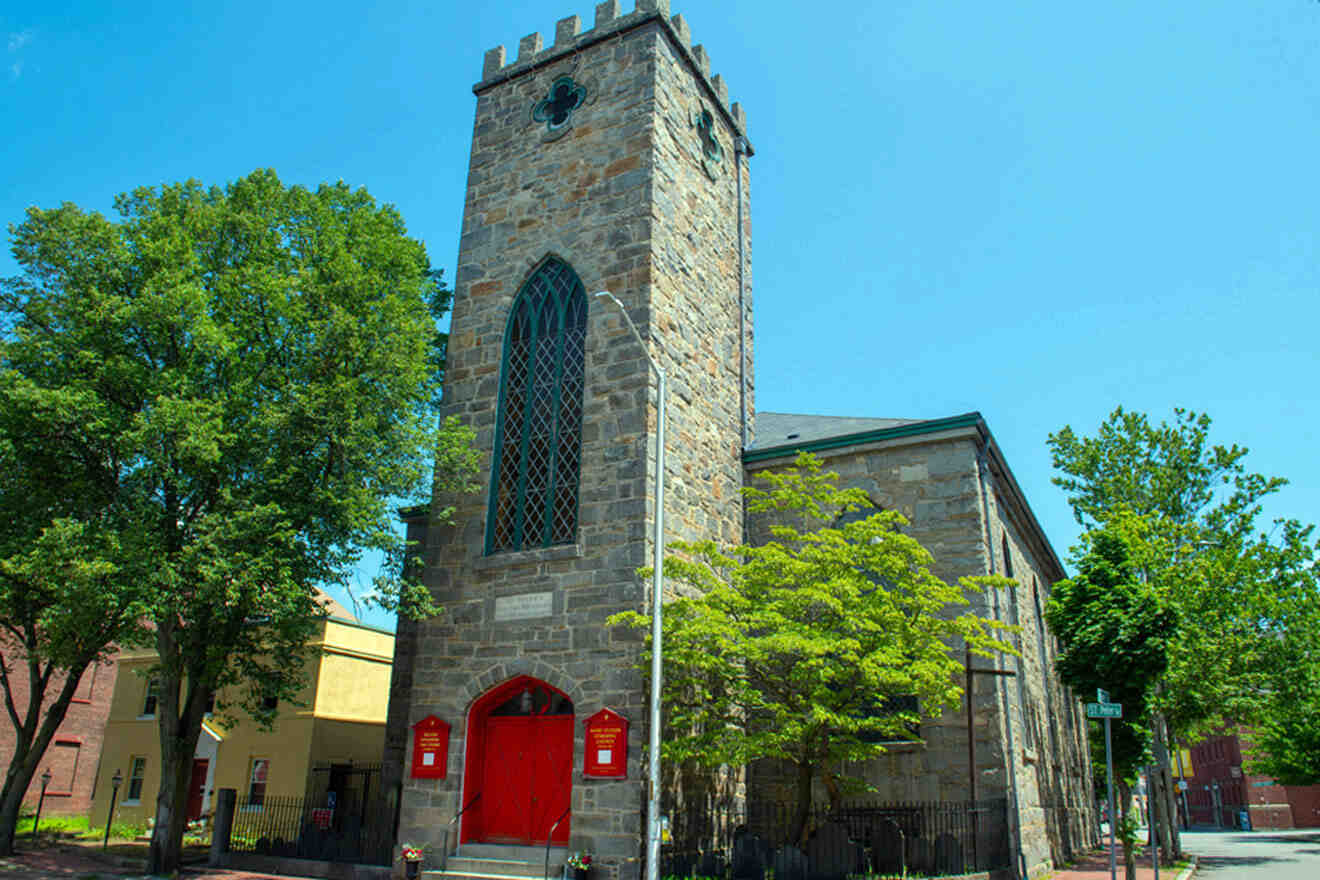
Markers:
point(538, 435)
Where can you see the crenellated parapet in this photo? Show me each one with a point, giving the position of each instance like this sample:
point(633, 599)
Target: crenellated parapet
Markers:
point(569, 38)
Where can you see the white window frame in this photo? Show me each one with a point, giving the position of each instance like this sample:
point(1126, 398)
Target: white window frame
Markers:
point(251, 780)
point(135, 763)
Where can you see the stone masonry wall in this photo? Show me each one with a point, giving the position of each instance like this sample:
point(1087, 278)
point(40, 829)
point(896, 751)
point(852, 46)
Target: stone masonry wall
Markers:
point(615, 197)
point(1050, 757)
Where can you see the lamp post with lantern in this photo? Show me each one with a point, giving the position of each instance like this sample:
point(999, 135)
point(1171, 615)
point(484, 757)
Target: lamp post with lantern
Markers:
point(36, 821)
point(114, 795)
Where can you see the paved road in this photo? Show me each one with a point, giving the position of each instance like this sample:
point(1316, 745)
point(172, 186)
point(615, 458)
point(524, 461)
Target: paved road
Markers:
point(1255, 855)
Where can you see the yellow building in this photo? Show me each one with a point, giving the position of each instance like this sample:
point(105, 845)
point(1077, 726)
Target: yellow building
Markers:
point(320, 741)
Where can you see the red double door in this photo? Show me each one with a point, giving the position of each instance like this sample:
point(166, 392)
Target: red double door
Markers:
point(527, 778)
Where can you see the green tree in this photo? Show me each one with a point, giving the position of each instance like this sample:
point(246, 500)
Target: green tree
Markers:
point(1115, 632)
point(249, 374)
point(1200, 548)
point(1285, 740)
point(797, 648)
point(58, 616)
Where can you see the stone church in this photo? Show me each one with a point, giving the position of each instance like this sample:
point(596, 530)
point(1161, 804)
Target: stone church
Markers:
point(612, 160)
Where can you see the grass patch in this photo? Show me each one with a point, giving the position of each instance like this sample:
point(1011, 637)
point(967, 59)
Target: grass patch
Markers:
point(53, 825)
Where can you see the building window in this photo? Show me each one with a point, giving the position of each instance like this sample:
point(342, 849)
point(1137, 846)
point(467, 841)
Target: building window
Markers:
point(257, 782)
point(86, 684)
point(1008, 559)
point(137, 771)
point(62, 762)
point(556, 109)
point(151, 699)
point(538, 434)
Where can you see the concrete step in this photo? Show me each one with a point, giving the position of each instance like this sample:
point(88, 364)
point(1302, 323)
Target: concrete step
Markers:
point(504, 867)
point(508, 851)
point(495, 862)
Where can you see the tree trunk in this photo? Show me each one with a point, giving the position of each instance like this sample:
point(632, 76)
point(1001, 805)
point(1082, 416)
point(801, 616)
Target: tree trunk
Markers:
point(180, 725)
point(1124, 807)
point(1167, 805)
point(803, 806)
point(835, 793)
point(30, 743)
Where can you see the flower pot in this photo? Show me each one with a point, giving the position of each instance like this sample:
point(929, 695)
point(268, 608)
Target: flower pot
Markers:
point(412, 868)
point(580, 873)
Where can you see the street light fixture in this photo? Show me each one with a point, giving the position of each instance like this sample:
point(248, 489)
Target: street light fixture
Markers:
point(114, 795)
point(657, 594)
point(36, 822)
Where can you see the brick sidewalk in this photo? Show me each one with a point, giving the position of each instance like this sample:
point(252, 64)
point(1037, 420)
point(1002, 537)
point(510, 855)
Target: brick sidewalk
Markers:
point(80, 863)
point(1095, 866)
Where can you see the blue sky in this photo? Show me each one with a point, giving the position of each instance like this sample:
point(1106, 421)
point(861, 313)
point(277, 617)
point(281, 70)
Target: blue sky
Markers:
point(1035, 210)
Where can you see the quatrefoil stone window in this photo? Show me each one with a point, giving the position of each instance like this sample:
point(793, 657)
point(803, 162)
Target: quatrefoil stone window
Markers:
point(556, 109)
point(712, 152)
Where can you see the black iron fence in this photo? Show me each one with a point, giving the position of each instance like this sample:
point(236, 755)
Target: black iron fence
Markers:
point(305, 828)
point(756, 840)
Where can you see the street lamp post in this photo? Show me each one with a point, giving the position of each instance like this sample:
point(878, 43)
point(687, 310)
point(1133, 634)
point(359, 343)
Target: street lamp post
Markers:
point(114, 795)
point(36, 821)
point(657, 594)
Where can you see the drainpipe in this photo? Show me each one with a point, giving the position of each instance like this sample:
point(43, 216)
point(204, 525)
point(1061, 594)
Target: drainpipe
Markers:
point(740, 149)
point(1014, 817)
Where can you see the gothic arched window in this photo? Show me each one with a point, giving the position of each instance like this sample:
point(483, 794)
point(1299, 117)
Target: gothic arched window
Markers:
point(538, 434)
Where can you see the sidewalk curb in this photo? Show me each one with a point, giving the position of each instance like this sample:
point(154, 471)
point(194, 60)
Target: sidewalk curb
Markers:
point(1190, 869)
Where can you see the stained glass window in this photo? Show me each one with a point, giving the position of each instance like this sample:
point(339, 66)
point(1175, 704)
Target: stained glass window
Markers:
point(538, 434)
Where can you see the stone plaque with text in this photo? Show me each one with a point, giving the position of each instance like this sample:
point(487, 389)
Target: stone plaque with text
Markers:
point(525, 606)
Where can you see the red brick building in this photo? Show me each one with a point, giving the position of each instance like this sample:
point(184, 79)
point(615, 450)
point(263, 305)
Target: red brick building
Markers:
point(1222, 789)
point(76, 749)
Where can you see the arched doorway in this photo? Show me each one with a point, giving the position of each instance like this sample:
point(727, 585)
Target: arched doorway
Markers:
point(520, 760)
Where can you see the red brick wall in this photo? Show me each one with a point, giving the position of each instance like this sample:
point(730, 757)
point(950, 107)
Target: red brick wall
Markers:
point(1305, 800)
point(76, 749)
point(1219, 760)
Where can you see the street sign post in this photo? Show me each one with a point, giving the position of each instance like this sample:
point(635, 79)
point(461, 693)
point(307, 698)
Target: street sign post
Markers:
point(1151, 825)
point(1102, 708)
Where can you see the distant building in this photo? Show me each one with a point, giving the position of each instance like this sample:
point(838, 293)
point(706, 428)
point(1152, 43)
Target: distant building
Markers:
point(72, 756)
point(325, 739)
point(1221, 790)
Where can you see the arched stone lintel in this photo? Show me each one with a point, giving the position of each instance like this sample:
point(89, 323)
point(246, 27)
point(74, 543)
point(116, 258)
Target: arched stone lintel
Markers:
point(498, 673)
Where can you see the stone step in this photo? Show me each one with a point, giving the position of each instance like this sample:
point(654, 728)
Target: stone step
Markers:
point(496, 862)
point(454, 874)
point(509, 851)
point(504, 867)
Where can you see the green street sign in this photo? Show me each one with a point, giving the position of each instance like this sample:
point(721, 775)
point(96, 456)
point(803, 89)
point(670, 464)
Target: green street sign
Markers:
point(1104, 710)
point(1101, 695)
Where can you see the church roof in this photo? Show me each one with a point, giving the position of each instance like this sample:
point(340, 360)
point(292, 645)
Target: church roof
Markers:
point(782, 435)
point(778, 429)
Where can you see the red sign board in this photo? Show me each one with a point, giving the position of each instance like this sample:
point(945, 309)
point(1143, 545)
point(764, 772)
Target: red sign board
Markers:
point(430, 748)
point(606, 754)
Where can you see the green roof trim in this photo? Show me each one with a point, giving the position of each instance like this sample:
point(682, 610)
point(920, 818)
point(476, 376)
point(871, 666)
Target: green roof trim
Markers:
point(967, 420)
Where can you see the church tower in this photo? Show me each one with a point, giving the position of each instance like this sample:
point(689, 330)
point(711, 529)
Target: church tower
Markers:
point(610, 160)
